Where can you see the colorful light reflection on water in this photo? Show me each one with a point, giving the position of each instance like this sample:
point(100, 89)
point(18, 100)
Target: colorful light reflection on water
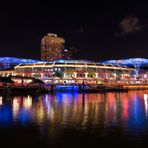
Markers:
point(103, 117)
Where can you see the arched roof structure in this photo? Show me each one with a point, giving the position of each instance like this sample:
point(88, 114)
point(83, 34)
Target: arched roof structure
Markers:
point(136, 62)
point(72, 63)
point(10, 62)
point(127, 62)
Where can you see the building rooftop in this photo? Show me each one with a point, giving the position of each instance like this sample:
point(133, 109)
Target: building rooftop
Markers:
point(72, 63)
point(10, 62)
point(128, 62)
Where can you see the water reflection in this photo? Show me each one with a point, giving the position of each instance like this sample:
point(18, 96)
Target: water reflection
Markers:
point(1, 100)
point(146, 103)
point(51, 113)
point(69, 109)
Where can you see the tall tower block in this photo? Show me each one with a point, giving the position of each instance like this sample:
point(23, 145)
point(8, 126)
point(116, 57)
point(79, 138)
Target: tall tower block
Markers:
point(52, 47)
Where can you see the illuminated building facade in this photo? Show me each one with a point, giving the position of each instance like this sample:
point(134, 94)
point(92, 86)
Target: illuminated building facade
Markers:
point(74, 70)
point(52, 47)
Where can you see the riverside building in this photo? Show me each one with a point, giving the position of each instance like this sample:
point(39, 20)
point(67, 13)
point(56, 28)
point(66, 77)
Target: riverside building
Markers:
point(74, 71)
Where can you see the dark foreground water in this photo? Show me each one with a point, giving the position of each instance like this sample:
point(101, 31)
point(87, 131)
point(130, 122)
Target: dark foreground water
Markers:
point(73, 120)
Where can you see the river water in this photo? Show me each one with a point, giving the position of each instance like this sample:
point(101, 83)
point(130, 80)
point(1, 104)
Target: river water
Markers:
point(71, 119)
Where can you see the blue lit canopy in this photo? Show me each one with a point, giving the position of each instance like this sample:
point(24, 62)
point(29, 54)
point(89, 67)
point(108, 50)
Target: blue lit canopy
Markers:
point(71, 61)
point(10, 62)
point(128, 62)
point(136, 62)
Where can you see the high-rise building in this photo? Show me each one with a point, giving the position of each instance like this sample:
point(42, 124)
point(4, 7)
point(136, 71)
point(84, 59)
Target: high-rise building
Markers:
point(52, 47)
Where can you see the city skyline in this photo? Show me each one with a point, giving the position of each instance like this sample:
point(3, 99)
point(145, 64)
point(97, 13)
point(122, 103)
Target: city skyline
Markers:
point(104, 31)
point(73, 74)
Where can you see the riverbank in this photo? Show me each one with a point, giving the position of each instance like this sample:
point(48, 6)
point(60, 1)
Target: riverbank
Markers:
point(21, 90)
point(136, 87)
point(98, 88)
point(38, 90)
point(86, 88)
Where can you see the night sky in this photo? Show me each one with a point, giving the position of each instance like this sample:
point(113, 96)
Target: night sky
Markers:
point(92, 31)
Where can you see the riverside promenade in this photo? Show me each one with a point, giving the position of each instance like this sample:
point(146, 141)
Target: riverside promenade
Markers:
point(19, 85)
point(97, 88)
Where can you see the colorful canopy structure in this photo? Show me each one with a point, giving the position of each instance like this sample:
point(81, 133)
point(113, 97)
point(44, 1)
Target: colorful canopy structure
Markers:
point(127, 62)
point(10, 62)
point(71, 61)
point(17, 60)
point(136, 62)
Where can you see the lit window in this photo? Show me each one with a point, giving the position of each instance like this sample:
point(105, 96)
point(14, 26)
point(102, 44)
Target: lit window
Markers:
point(145, 75)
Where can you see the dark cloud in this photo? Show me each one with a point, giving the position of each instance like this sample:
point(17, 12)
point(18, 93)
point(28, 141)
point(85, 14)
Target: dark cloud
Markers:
point(128, 25)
